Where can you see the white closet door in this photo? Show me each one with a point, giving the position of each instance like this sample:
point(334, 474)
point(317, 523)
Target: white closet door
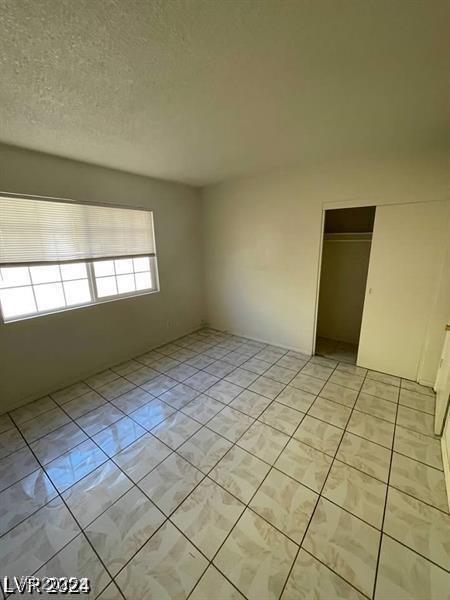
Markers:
point(408, 247)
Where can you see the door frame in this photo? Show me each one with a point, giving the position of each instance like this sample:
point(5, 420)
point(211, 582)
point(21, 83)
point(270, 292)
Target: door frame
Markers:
point(332, 206)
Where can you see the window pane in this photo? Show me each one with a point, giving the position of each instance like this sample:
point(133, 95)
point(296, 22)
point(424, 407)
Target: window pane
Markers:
point(124, 265)
point(73, 271)
point(77, 292)
point(125, 283)
point(17, 302)
point(49, 295)
point(45, 274)
point(141, 264)
point(104, 267)
point(106, 286)
point(12, 276)
point(143, 281)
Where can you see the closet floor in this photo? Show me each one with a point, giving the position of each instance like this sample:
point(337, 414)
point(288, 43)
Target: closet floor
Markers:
point(340, 351)
point(219, 467)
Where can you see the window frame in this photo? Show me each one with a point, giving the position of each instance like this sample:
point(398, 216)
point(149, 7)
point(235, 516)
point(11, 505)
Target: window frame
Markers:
point(91, 279)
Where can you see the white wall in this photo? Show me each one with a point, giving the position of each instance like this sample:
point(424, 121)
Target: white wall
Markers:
point(39, 355)
point(342, 288)
point(262, 238)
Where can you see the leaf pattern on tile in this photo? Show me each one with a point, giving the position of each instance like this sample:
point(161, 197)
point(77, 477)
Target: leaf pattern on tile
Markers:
point(207, 516)
point(420, 447)
point(263, 441)
point(309, 574)
point(383, 409)
point(285, 503)
point(256, 558)
point(415, 420)
point(318, 434)
point(340, 394)
point(213, 584)
point(305, 464)
point(366, 456)
point(296, 398)
point(417, 401)
point(331, 412)
point(345, 544)
point(372, 428)
point(419, 526)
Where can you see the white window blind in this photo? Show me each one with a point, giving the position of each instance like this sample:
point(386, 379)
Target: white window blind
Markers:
point(47, 231)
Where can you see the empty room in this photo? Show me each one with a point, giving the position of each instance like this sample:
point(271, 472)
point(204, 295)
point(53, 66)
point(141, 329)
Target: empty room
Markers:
point(224, 299)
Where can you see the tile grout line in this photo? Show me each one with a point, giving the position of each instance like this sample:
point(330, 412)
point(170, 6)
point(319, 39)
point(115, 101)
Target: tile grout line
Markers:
point(254, 419)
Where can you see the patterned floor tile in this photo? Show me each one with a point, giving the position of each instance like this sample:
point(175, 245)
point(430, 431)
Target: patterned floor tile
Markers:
point(354, 382)
point(102, 378)
point(256, 365)
point(152, 413)
point(420, 447)
point(256, 558)
point(241, 377)
point(204, 449)
point(121, 530)
point(364, 455)
point(131, 401)
point(142, 456)
point(340, 394)
point(295, 398)
point(115, 388)
point(34, 541)
point(240, 473)
point(305, 464)
point(281, 374)
point(15, 466)
point(5, 423)
point(416, 387)
point(419, 526)
point(309, 574)
point(281, 417)
point(83, 404)
point(319, 435)
point(415, 420)
point(330, 412)
point(285, 503)
point(168, 566)
point(421, 481)
point(383, 378)
point(23, 498)
point(39, 426)
point(263, 441)
point(250, 403)
point(159, 385)
point(380, 390)
point(316, 370)
point(372, 428)
point(96, 420)
point(176, 429)
point(230, 423)
point(10, 441)
point(417, 401)
point(170, 482)
point(307, 383)
point(77, 559)
point(207, 516)
point(75, 464)
point(291, 362)
point(224, 391)
point(202, 409)
point(214, 585)
point(345, 544)
point(357, 492)
point(377, 407)
point(267, 387)
point(351, 369)
point(88, 498)
point(118, 436)
point(33, 409)
point(404, 575)
point(70, 392)
point(179, 396)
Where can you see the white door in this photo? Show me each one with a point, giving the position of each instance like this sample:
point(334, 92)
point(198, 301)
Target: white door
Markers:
point(408, 247)
point(442, 386)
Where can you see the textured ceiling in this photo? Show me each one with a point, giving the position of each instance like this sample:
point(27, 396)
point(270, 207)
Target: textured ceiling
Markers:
point(201, 91)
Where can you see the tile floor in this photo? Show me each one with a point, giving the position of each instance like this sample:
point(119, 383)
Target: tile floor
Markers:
point(216, 466)
point(341, 351)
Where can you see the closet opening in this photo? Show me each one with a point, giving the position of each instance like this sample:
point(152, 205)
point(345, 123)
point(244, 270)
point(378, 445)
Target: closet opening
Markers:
point(346, 247)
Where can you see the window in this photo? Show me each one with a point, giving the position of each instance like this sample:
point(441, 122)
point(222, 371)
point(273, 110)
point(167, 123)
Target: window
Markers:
point(41, 240)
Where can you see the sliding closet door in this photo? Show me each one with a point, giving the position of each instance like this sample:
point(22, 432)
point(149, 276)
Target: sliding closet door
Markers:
point(405, 264)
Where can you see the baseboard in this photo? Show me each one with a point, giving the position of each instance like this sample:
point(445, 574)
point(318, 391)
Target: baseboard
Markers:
point(446, 463)
point(263, 341)
point(85, 375)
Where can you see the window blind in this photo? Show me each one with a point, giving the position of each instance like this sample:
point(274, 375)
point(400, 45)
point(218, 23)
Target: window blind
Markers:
point(47, 231)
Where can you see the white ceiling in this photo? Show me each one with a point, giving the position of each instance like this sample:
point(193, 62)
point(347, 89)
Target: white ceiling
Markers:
point(201, 91)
